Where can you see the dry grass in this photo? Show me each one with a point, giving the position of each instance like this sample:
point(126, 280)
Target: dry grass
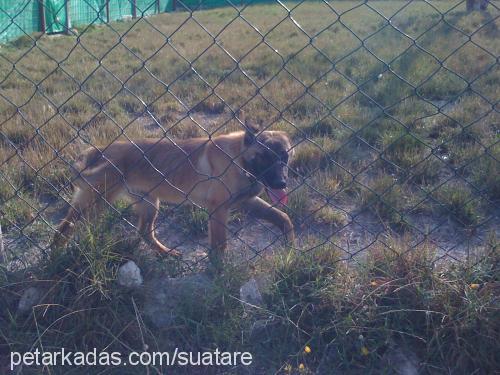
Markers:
point(351, 318)
point(98, 87)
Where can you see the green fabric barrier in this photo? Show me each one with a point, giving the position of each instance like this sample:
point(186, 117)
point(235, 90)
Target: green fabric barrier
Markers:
point(55, 16)
point(166, 5)
point(119, 9)
point(19, 19)
point(24, 18)
point(146, 7)
point(86, 12)
point(205, 4)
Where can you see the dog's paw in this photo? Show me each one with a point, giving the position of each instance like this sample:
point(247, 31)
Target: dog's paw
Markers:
point(174, 253)
point(169, 252)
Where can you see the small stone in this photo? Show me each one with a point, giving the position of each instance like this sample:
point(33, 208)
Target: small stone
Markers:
point(129, 275)
point(30, 298)
point(250, 293)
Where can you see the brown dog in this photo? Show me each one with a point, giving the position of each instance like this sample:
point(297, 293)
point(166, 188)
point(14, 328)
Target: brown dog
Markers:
point(219, 174)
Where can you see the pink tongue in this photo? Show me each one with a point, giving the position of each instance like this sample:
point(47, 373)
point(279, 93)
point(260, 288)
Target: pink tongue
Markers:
point(277, 195)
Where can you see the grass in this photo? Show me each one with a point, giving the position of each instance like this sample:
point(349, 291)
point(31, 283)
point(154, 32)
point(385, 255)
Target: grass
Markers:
point(194, 220)
point(351, 318)
point(460, 204)
point(379, 124)
point(330, 216)
point(80, 97)
point(386, 199)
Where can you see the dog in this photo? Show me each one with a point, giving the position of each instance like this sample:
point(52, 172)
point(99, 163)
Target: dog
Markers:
point(219, 173)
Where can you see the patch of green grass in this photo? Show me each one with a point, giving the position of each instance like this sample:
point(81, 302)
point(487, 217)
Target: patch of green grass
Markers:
point(348, 317)
point(194, 219)
point(398, 295)
point(330, 216)
point(374, 132)
point(486, 176)
point(17, 208)
point(459, 202)
point(312, 155)
point(210, 105)
point(404, 150)
point(323, 128)
point(298, 205)
point(327, 183)
point(386, 199)
point(81, 306)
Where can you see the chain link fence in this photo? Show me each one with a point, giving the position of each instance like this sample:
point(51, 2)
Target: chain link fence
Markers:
point(380, 118)
point(391, 108)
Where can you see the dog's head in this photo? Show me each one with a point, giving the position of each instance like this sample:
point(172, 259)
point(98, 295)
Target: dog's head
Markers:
point(266, 156)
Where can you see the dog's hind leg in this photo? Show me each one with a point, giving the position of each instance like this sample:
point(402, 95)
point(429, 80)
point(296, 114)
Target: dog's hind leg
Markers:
point(147, 211)
point(217, 232)
point(81, 202)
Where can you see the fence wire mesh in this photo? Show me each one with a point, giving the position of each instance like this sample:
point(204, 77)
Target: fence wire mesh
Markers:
point(391, 108)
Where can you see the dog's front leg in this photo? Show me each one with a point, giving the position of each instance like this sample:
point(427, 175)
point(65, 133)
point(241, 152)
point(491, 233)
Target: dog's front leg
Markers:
point(263, 210)
point(217, 232)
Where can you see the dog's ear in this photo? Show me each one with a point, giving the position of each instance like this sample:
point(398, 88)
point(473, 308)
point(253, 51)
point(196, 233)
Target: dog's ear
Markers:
point(251, 131)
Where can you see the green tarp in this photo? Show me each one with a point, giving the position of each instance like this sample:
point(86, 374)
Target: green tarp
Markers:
point(146, 7)
point(119, 9)
point(18, 18)
point(166, 5)
point(86, 12)
point(22, 17)
point(55, 16)
point(205, 4)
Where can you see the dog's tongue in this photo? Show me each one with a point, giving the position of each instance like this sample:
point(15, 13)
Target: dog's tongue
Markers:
point(277, 195)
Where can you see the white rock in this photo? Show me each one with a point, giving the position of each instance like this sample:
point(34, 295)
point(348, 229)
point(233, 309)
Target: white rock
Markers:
point(250, 293)
point(30, 298)
point(129, 275)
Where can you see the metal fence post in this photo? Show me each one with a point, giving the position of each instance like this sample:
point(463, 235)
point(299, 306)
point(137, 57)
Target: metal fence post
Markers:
point(67, 25)
point(41, 13)
point(134, 9)
point(2, 250)
point(107, 11)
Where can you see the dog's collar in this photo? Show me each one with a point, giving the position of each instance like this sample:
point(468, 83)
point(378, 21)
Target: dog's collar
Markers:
point(251, 190)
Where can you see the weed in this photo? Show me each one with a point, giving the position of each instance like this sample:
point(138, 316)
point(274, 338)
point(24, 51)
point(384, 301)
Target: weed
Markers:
point(386, 199)
point(298, 204)
point(404, 151)
point(194, 219)
point(458, 202)
point(312, 155)
point(486, 175)
point(330, 216)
